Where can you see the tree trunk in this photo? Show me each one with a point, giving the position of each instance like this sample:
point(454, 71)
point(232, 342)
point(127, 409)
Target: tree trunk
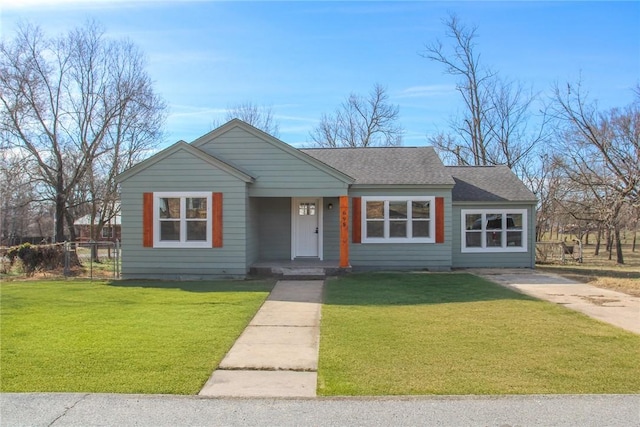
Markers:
point(598, 240)
point(619, 256)
point(70, 227)
point(633, 244)
point(60, 207)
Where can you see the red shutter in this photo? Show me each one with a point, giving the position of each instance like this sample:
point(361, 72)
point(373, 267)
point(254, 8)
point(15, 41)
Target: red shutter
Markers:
point(216, 225)
point(147, 220)
point(356, 218)
point(439, 219)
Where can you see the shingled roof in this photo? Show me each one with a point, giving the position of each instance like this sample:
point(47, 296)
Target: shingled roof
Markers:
point(386, 165)
point(488, 184)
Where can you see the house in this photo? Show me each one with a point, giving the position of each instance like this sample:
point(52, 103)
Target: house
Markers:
point(237, 197)
point(110, 232)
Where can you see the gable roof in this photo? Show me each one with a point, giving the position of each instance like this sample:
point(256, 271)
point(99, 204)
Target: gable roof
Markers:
point(178, 146)
point(300, 154)
point(86, 220)
point(386, 165)
point(488, 184)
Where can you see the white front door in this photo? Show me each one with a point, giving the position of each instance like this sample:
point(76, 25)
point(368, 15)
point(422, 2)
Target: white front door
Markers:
point(306, 227)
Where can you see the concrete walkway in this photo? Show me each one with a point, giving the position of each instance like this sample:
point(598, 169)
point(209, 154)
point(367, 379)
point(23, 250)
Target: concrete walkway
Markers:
point(615, 308)
point(277, 354)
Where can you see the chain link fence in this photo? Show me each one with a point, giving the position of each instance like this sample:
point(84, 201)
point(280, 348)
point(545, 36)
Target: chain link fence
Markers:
point(98, 260)
point(558, 252)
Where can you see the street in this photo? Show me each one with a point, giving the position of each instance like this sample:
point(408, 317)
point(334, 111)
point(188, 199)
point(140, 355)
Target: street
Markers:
point(76, 409)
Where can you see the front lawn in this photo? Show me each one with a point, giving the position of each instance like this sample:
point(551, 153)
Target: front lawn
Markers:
point(394, 334)
point(124, 337)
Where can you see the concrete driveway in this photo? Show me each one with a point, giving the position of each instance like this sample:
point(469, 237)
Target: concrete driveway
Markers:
point(613, 307)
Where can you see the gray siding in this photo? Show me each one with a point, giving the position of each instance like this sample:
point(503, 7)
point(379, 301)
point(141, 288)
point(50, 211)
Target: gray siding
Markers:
point(435, 256)
point(274, 228)
point(331, 228)
point(493, 259)
point(184, 172)
point(277, 172)
point(253, 238)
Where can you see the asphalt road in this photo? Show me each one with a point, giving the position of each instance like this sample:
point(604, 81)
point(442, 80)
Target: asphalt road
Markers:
point(74, 409)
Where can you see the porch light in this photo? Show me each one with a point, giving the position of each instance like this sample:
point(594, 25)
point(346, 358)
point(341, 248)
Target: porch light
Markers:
point(330, 206)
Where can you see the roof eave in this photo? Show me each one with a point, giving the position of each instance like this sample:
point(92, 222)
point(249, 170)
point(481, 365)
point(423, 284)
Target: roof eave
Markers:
point(442, 186)
point(182, 145)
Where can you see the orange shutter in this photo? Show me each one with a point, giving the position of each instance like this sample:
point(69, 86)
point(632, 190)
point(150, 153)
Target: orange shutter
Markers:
point(344, 231)
point(439, 219)
point(216, 224)
point(356, 218)
point(147, 220)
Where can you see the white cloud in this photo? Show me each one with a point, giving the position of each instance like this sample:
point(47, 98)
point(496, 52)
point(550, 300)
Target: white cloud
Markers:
point(181, 111)
point(425, 91)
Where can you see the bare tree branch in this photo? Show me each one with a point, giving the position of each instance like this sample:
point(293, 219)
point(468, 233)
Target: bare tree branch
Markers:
point(361, 122)
point(494, 126)
point(259, 116)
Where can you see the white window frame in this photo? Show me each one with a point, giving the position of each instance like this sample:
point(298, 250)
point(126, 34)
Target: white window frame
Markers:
point(386, 238)
point(483, 231)
point(183, 243)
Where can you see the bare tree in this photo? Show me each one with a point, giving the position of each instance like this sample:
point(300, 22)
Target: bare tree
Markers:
point(69, 101)
point(600, 155)
point(16, 194)
point(259, 116)
point(544, 180)
point(494, 125)
point(361, 122)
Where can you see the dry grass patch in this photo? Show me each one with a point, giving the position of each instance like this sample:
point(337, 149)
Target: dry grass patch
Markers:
point(601, 272)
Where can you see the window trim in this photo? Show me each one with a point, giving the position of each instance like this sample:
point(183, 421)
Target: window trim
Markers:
point(483, 231)
point(409, 200)
point(182, 195)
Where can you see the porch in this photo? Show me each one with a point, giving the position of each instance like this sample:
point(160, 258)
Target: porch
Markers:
point(289, 234)
point(298, 269)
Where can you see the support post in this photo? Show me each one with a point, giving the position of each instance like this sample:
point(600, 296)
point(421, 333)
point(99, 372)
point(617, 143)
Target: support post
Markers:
point(344, 232)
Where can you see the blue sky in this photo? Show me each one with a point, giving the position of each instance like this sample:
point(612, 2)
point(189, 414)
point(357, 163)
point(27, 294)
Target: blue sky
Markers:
point(304, 58)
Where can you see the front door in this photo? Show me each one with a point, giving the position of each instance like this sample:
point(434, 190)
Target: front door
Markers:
point(306, 233)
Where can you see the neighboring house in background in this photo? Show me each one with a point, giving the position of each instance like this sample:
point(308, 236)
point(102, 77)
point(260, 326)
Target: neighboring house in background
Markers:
point(111, 231)
point(238, 197)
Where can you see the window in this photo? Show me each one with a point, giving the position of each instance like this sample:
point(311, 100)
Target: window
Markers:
point(182, 220)
point(398, 219)
point(107, 232)
point(306, 208)
point(490, 230)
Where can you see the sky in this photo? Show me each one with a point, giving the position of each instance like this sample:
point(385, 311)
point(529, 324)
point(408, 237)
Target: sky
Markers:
point(304, 58)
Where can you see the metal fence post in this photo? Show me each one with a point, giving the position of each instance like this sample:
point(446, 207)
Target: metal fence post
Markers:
point(116, 264)
point(66, 247)
point(93, 250)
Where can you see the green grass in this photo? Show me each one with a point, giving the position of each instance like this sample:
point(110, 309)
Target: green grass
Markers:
point(394, 334)
point(124, 337)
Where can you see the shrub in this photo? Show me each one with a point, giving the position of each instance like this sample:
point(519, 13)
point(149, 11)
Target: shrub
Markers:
point(37, 257)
